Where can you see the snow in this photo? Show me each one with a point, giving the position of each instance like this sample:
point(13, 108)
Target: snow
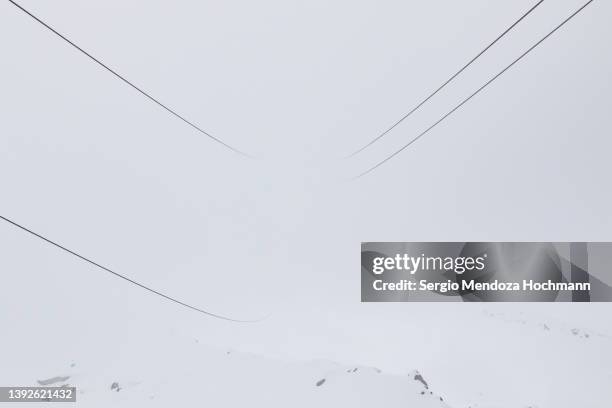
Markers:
point(186, 374)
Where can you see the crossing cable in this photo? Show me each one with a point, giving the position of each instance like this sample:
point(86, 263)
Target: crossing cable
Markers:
point(448, 81)
point(122, 78)
point(474, 94)
point(125, 278)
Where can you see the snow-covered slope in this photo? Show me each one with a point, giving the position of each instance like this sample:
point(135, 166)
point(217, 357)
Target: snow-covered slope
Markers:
point(194, 375)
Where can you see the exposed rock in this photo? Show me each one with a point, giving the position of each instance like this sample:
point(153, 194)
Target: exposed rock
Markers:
point(53, 380)
point(419, 377)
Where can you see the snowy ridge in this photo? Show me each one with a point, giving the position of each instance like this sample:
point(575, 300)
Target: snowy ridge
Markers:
point(181, 377)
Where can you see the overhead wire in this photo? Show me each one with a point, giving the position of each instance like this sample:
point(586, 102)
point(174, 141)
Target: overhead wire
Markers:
point(124, 277)
point(486, 84)
point(131, 84)
point(445, 83)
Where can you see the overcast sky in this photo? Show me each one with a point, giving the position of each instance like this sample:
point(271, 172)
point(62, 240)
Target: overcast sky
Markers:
point(89, 162)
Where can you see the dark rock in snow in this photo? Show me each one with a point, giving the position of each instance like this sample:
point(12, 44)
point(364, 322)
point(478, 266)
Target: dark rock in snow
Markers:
point(115, 386)
point(53, 380)
point(320, 382)
point(419, 377)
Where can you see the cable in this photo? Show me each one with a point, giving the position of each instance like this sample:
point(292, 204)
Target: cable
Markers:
point(449, 80)
point(100, 63)
point(475, 93)
point(118, 275)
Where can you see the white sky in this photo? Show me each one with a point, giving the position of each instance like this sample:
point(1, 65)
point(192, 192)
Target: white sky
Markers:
point(90, 163)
